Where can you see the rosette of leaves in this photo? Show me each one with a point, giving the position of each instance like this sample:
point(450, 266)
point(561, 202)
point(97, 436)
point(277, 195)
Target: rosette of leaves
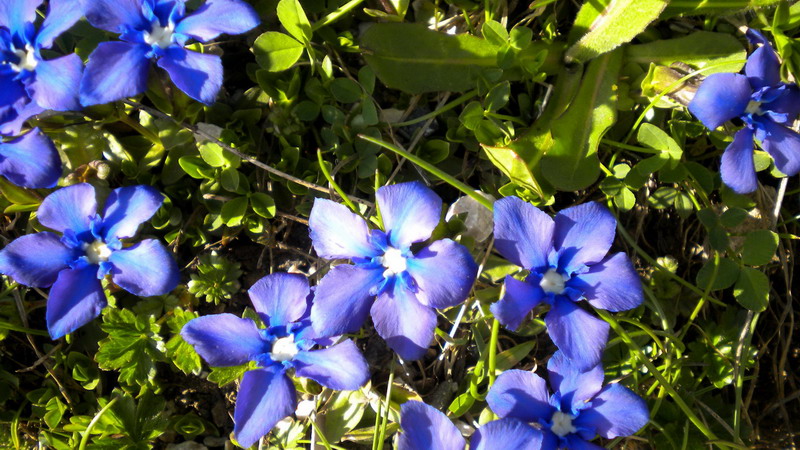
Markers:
point(217, 278)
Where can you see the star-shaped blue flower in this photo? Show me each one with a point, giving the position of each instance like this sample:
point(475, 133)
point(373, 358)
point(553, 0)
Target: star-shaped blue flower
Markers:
point(426, 428)
point(158, 30)
point(267, 395)
point(580, 409)
point(566, 257)
point(408, 285)
point(30, 84)
point(767, 107)
point(89, 249)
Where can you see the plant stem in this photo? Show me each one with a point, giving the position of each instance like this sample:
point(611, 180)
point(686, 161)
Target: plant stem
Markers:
point(493, 351)
point(95, 419)
point(433, 170)
point(324, 168)
point(386, 408)
point(336, 14)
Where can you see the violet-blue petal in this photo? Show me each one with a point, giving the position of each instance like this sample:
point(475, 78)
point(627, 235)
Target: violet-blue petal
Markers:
point(35, 259)
point(523, 233)
point(116, 16)
point(583, 235)
point(70, 208)
point(23, 110)
point(578, 334)
point(615, 411)
point(224, 339)
point(426, 428)
point(57, 82)
point(281, 296)
point(403, 322)
point(410, 211)
point(575, 442)
point(61, 16)
point(14, 14)
point(519, 299)
point(511, 432)
point(217, 17)
point(30, 161)
point(444, 272)
point(115, 70)
point(199, 75)
point(145, 269)
point(128, 207)
point(720, 98)
point(343, 298)
point(341, 367)
point(75, 299)
point(763, 68)
point(520, 394)
point(787, 102)
point(265, 397)
point(783, 144)
point(612, 284)
point(574, 386)
point(738, 169)
point(338, 233)
point(13, 90)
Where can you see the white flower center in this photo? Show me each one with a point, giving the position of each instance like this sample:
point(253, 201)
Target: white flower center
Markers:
point(283, 349)
point(160, 36)
point(552, 281)
point(753, 107)
point(97, 252)
point(394, 262)
point(27, 59)
point(562, 424)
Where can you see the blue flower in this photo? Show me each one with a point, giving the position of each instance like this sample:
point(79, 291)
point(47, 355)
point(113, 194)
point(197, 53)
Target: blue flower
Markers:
point(30, 161)
point(267, 395)
point(566, 257)
point(157, 30)
point(765, 105)
point(580, 409)
point(30, 84)
point(426, 428)
point(90, 248)
point(408, 285)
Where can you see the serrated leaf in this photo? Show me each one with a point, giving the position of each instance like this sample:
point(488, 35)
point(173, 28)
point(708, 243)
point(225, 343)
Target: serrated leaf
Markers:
point(752, 289)
point(226, 375)
point(133, 346)
point(179, 352)
point(617, 24)
point(759, 247)
point(276, 51)
point(415, 59)
point(572, 162)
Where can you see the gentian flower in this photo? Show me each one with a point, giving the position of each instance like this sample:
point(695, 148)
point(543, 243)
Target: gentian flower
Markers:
point(426, 428)
point(267, 395)
point(566, 257)
point(30, 84)
point(408, 284)
point(157, 30)
point(765, 105)
point(90, 248)
point(580, 409)
point(30, 161)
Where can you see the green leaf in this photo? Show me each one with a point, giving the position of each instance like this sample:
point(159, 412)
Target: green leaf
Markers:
point(733, 217)
point(84, 370)
point(196, 167)
point(511, 357)
point(133, 346)
point(263, 205)
point(276, 51)
point(752, 289)
point(494, 32)
point(759, 247)
point(663, 197)
point(233, 211)
point(572, 162)
point(55, 412)
point(726, 7)
point(498, 97)
point(211, 154)
point(229, 178)
point(179, 352)
point(415, 59)
point(617, 24)
point(461, 404)
point(293, 18)
point(142, 422)
point(513, 165)
point(699, 50)
point(343, 413)
point(345, 90)
point(657, 139)
point(18, 195)
point(226, 375)
point(727, 274)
